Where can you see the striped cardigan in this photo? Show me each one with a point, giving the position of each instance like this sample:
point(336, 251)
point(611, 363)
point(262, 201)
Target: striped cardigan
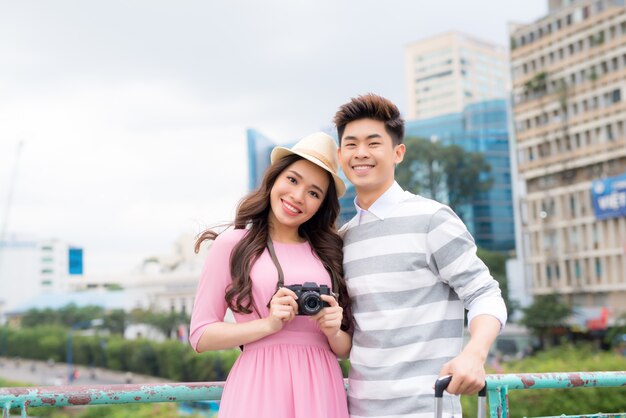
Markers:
point(410, 277)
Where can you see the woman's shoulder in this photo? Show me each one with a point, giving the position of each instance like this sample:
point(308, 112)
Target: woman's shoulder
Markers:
point(230, 237)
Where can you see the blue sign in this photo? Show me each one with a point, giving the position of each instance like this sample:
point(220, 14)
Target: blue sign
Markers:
point(75, 258)
point(609, 197)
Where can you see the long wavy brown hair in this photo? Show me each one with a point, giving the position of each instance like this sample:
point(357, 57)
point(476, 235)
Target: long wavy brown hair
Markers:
point(320, 231)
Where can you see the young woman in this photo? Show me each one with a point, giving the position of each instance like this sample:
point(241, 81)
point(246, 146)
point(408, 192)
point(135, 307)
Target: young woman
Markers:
point(284, 235)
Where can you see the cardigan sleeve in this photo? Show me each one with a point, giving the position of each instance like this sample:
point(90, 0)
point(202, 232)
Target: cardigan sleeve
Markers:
point(453, 258)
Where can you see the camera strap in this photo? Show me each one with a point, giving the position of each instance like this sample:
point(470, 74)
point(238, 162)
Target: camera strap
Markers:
point(281, 277)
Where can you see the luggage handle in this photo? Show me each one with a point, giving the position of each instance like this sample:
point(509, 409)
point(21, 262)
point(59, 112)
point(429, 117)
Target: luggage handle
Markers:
point(440, 386)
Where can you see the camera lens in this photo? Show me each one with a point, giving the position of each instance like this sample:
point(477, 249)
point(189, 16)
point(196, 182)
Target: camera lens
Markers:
point(310, 303)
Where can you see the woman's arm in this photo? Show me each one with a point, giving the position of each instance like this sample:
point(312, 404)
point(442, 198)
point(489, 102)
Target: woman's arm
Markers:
point(221, 335)
point(329, 321)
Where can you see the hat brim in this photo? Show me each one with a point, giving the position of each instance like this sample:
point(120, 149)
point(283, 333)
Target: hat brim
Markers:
point(280, 152)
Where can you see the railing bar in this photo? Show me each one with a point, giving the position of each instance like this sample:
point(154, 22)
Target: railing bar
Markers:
point(556, 380)
point(110, 394)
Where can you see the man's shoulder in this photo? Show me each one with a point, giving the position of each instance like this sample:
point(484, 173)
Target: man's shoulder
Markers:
point(345, 227)
point(417, 204)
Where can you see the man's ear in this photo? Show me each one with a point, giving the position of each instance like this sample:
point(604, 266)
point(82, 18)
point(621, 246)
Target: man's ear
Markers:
point(399, 151)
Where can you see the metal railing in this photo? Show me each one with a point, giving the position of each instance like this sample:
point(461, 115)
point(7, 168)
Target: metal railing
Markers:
point(58, 396)
point(497, 389)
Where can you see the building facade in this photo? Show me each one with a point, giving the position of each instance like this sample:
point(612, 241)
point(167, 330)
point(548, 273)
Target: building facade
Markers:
point(569, 78)
point(447, 72)
point(43, 266)
point(481, 128)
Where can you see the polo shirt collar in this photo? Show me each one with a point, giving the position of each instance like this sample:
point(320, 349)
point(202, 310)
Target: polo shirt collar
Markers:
point(384, 205)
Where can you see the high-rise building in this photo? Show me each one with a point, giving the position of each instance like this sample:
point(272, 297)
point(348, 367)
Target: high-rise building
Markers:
point(447, 72)
point(481, 128)
point(569, 75)
point(457, 89)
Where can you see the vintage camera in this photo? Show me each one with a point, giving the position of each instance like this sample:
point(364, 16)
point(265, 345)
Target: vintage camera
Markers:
point(309, 301)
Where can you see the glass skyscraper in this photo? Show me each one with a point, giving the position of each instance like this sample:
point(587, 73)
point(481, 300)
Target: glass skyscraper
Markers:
point(483, 128)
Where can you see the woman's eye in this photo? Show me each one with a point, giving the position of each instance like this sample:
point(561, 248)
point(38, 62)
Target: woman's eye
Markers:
point(314, 194)
point(292, 179)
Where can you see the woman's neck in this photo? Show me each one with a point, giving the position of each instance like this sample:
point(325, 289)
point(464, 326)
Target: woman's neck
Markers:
point(279, 233)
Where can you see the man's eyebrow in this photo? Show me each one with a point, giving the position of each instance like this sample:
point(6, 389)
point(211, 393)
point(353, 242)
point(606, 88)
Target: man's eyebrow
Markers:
point(370, 136)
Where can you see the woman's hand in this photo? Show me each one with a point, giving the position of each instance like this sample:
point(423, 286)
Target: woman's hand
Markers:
point(283, 308)
point(329, 319)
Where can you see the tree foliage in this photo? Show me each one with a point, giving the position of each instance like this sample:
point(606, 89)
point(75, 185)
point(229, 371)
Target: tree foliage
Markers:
point(448, 174)
point(166, 322)
point(546, 314)
point(496, 263)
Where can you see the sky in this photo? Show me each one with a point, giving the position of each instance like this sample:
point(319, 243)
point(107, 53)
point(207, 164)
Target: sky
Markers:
point(132, 116)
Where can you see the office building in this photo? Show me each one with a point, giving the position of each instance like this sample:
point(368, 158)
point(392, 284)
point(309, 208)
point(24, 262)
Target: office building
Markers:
point(569, 76)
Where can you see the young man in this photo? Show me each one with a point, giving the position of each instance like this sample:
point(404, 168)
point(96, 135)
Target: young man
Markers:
point(411, 270)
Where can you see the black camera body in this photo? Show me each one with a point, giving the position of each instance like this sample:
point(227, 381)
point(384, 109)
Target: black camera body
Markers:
point(309, 301)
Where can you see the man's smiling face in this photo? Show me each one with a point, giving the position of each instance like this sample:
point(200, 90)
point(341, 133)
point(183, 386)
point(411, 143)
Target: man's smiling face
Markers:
point(368, 157)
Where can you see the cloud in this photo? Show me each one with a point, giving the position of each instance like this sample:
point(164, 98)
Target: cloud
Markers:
point(134, 114)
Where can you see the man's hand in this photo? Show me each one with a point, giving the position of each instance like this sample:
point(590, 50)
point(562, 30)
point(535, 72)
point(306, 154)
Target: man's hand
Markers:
point(467, 371)
point(468, 368)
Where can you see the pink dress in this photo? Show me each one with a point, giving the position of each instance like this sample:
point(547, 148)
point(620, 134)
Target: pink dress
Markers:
point(292, 373)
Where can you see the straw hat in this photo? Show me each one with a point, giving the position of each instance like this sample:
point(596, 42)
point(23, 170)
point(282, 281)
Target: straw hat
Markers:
point(320, 149)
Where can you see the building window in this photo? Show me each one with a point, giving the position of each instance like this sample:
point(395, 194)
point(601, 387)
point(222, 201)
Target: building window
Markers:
point(617, 95)
point(599, 6)
point(47, 271)
point(598, 268)
point(609, 133)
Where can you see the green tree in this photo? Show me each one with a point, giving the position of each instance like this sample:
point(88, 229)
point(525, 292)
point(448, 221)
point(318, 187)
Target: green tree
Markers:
point(166, 322)
point(444, 173)
point(115, 321)
point(545, 315)
point(466, 175)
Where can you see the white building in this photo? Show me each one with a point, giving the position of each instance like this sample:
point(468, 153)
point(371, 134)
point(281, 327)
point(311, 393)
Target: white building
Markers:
point(449, 71)
point(30, 266)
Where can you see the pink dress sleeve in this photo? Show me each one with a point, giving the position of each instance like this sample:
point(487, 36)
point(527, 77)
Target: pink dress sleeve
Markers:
point(209, 305)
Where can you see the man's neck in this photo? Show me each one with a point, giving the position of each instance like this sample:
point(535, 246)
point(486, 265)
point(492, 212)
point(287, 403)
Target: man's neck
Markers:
point(366, 198)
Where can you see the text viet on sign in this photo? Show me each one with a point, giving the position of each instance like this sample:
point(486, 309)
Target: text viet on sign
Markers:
point(609, 197)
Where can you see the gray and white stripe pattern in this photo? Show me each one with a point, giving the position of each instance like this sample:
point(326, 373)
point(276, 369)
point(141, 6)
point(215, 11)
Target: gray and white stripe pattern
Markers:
point(410, 277)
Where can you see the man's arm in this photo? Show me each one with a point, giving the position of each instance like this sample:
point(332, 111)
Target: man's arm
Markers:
point(455, 261)
point(468, 368)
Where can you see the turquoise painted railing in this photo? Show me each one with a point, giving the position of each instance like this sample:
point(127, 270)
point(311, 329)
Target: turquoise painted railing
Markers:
point(497, 388)
point(57, 396)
